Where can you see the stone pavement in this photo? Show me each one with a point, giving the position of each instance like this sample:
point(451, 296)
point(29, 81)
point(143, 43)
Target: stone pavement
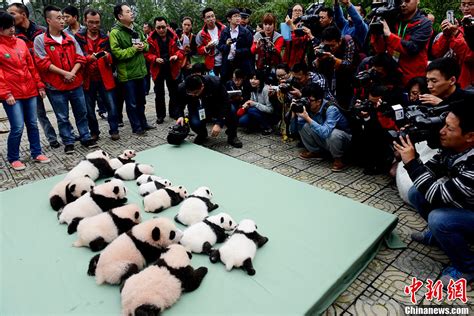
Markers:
point(377, 291)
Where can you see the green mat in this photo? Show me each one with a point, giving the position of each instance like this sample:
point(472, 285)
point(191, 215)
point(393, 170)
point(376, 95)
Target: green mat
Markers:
point(319, 243)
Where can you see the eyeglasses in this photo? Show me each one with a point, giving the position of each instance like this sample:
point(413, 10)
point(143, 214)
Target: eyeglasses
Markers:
point(160, 27)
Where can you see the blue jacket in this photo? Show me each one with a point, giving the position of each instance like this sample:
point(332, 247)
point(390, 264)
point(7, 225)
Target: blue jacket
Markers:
point(243, 56)
point(358, 30)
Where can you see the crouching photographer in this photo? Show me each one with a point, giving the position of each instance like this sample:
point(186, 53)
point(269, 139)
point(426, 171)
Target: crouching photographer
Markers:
point(321, 125)
point(442, 192)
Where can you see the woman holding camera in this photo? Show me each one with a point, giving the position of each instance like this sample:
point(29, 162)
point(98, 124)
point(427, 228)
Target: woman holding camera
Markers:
point(20, 84)
point(267, 45)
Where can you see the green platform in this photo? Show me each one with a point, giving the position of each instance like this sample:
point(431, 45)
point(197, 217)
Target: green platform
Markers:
point(319, 243)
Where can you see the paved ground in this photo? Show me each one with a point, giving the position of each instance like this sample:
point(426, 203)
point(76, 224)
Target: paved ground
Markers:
point(377, 291)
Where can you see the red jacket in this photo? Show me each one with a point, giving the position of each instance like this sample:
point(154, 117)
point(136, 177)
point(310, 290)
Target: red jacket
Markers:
point(18, 75)
point(30, 34)
point(295, 50)
point(206, 39)
point(411, 45)
point(275, 55)
point(104, 64)
point(154, 53)
point(65, 55)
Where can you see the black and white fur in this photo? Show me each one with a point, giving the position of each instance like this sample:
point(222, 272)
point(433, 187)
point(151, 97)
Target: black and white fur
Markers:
point(67, 191)
point(125, 157)
point(150, 187)
point(160, 285)
point(196, 207)
point(144, 178)
point(200, 237)
point(103, 197)
point(95, 166)
point(98, 231)
point(132, 171)
point(164, 198)
point(240, 249)
point(131, 251)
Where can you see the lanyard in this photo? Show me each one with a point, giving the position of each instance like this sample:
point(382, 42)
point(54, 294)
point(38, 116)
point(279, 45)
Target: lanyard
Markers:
point(404, 30)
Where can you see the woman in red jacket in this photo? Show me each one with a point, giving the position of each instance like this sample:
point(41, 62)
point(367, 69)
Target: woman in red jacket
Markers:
point(267, 44)
point(20, 84)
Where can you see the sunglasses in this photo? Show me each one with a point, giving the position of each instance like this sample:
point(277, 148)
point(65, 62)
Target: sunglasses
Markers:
point(160, 27)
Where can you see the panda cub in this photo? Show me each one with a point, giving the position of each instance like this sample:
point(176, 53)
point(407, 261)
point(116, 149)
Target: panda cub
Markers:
point(102, 198)
point(98, 231)
point(132, 171)
point(150, 187)
point(164, 198)
point(144, 178)
point(95, 166)
point(129, 253)
point(196, 207)
point(200, 237)
point(239, 250)
point(160, 285)
point(125, 157)
point(67, 191)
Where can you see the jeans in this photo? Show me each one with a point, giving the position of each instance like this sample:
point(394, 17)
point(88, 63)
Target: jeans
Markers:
point(453, 228)
point(23, 112)
point(254, 118)
point(159, 88)
point(337, 143)
point(134, 95)
point(60, 102)
point(48, 129)
point(108, 99)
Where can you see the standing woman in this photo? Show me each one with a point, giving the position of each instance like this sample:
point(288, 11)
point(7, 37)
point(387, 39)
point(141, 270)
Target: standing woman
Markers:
point(267, 45)
point(20, 84)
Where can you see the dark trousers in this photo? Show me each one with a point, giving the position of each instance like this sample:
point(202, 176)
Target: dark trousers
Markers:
point(160, 105)
point(134, 95)
point(199, 127)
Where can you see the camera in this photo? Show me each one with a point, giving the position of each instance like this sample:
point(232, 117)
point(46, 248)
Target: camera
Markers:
point(321, 49)
point(267, 44)
point(178, 133)
point(365, 78)
point(233, 40)
point(387, 10)
point(423, 123)
point(298, 105)
point(310, 19)
point(99, 54)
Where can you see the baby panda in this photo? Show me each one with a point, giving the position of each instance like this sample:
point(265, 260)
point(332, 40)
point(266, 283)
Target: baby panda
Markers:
point(67, 191)
point(103, 197)
point(144, 178)
point(132, 171)
point(98, 231)
point(164, 198)
point(150, 187)
point(129, 253)
point(125, 157)
point(160, 285)
point(196, 207)
point(200, 237)
point(239, 250)
point(96, 166)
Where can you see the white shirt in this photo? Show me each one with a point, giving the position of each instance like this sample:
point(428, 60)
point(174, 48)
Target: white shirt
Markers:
point(58, 39)
point(234, 33)
point(215, 37)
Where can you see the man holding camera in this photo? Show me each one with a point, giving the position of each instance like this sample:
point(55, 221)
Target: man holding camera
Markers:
point(322, 127)
point(355, 25)
point(165, 59)
point(408, 45)
point(234, 44)
point(442, 191)
point(207, 100)
point(98, 74)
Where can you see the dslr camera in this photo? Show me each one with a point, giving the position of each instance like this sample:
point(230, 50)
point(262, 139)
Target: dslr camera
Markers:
point(365, 78)
point(321, 49)
point(310, 19)
point(387, 10)
point(298, 105)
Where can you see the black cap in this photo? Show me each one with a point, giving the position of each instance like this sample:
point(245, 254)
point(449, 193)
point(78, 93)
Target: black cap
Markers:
point(245, 12)
point(231, 12)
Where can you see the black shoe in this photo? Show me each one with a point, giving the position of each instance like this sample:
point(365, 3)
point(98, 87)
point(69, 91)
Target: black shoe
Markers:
point(115, 136)
point(200, 139)
point(121, 124)
point(160, 120)
point(139, 133)
point(76, 137)
point(103, 116)
point(149, 127)
point(234, 142)
point(267, 131)
point(90, 143)
point(69, 149)
point(55, 144)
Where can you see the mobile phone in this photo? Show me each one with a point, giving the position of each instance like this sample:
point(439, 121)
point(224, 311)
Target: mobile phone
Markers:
point(234, 93)
point(99, 54)
point(450, 16)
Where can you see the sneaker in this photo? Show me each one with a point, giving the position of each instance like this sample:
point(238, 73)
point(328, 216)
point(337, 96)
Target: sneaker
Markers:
point(140, 133)
point(90, 143)
point(17, 165)
point(115, 136)
point(451, 273)
point(69, 149)
point(200, 139)
point(425, 238)
point(338, 165)
point(234, 142)
point(120, 124)
point(55, 144)
point(103, 116)
point(311, 155)
point(41, 159)
point(149, 127)
point(160, 120)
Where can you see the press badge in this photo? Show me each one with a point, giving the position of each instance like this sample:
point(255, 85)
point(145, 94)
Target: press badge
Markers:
point(396, 56)
point(202, 114)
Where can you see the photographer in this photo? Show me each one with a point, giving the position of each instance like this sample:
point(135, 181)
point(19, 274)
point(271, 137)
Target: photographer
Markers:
point(239, 82)
point(322, 127)
point(267, 45)
point(408, 44)
point(336, 60)
point(207, 100)
point(303, 77)
point(355, 25)
point(442, 192)
point(281, 98)
point(295, 48)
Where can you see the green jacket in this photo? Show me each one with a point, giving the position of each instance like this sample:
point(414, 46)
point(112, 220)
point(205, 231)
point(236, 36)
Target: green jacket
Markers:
point(130, 62)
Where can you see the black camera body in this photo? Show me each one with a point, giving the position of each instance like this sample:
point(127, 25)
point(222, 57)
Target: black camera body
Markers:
point(178, 133)
point(233, 40)
point(267, 44)
point(310, 19)
point(298, 105)
point(365, 78)
point(387, 10)
point(321, 49)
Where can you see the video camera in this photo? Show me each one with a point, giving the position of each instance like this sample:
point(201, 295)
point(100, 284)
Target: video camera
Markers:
point(423, 123)
point(298, 105)
point(310, 19)
point(393, 111)
point(387, 10)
